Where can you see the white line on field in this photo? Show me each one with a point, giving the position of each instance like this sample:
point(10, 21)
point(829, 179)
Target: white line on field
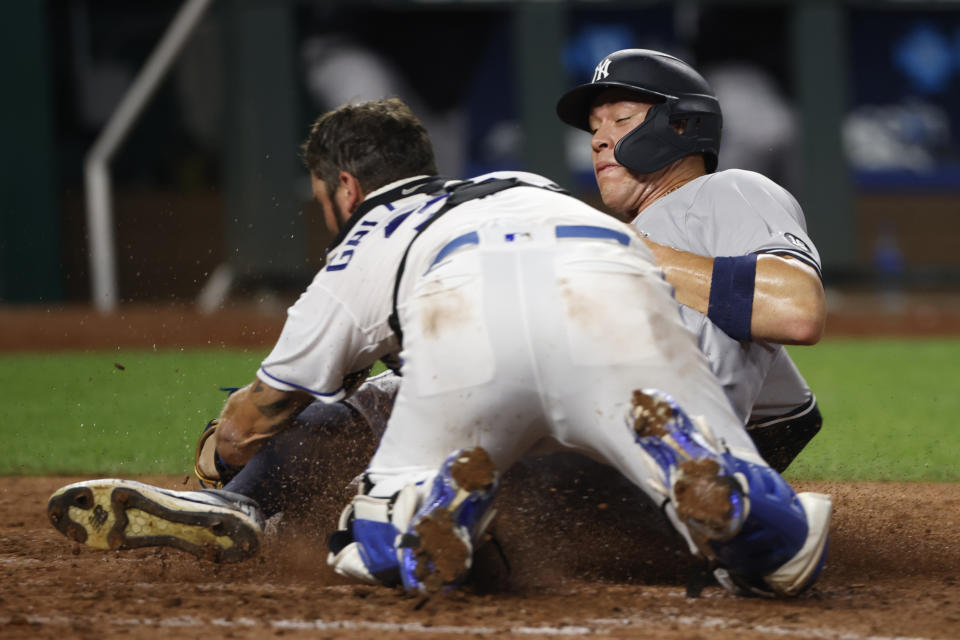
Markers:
point(320, 625)
point(597, 626)
point(716, 622)
point(17, 560)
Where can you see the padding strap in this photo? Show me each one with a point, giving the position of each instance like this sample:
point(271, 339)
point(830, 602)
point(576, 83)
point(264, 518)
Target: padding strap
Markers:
point(731, 294)
point(422, 185)
point(459, 193)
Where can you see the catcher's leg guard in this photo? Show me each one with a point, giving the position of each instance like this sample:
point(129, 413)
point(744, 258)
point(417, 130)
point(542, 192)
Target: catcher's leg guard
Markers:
point(437, 550)
point(365, 545)
point(765, 539)
point(123, 514)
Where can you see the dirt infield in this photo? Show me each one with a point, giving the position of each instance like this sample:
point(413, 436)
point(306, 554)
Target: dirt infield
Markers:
point(580, 555)
point(575, 570)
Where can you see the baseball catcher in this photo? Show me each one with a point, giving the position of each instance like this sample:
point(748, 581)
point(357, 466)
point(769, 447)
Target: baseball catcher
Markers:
point(520, 319)
point(658, 172)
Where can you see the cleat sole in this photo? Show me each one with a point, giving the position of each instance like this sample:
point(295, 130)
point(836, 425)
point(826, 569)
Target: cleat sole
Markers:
point(650, 415)
point(442, 549)
point(442, 556)
point(118, 514)
point(474, 470)
point(704, 499)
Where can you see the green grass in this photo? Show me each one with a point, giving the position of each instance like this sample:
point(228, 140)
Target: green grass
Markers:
point(82, 413)
point(889, 408)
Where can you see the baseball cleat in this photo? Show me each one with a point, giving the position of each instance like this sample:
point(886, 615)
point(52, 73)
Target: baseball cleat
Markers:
point(122, 514)
point(696, 479)
point(782, 548)
point(436, 551)
point(763, 538)
point(707, 500)
point(665, 430)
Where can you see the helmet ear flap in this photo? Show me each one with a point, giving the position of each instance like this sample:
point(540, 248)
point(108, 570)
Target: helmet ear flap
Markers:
point(653, 144)
point(703, 129)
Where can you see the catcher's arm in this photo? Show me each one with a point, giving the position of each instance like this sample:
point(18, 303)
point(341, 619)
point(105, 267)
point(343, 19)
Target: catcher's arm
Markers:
point(371, 404)
point(252, 415)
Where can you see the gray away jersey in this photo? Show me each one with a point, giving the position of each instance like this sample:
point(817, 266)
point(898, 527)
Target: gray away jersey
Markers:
point(735, 213)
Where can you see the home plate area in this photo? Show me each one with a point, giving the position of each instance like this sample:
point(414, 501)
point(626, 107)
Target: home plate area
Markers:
point(576, 554)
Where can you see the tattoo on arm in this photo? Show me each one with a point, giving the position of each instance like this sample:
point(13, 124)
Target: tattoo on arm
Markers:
point(274, 403)
point(274, 408)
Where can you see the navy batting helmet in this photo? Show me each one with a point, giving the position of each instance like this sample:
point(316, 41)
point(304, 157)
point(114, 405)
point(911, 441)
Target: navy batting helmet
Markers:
point(677, 92)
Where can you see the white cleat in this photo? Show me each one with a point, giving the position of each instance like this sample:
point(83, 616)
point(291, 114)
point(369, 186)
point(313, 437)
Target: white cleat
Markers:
point(123, 514)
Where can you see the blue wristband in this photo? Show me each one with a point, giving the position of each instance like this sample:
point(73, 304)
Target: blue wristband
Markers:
point(731, 294)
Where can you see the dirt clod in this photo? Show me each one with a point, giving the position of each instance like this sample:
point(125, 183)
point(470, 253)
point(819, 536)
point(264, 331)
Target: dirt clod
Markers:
point(649, 415)
point(702, 494)
point(473, 470)
point(442, 557)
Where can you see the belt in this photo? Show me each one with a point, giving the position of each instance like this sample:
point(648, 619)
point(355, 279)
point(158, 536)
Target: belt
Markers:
point(562, 231)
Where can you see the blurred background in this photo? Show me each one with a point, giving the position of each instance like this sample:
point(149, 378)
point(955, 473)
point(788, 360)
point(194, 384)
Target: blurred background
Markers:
point(852, 106)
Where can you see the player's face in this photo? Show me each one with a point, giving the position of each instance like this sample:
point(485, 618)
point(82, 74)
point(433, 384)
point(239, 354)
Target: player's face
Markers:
point(613, 116)
point(332, 214)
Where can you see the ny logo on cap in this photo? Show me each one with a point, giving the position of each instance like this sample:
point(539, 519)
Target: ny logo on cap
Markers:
point(602, 70)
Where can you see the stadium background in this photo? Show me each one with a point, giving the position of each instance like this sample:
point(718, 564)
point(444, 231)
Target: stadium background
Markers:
point(853, 106)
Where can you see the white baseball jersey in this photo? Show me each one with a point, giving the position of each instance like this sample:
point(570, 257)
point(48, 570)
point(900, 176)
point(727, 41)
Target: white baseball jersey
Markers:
point(338, 328)
point(528, 319)
point(734, 213)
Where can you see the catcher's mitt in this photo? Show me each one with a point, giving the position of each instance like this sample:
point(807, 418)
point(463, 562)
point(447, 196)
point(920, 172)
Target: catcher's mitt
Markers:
point(205, 459)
